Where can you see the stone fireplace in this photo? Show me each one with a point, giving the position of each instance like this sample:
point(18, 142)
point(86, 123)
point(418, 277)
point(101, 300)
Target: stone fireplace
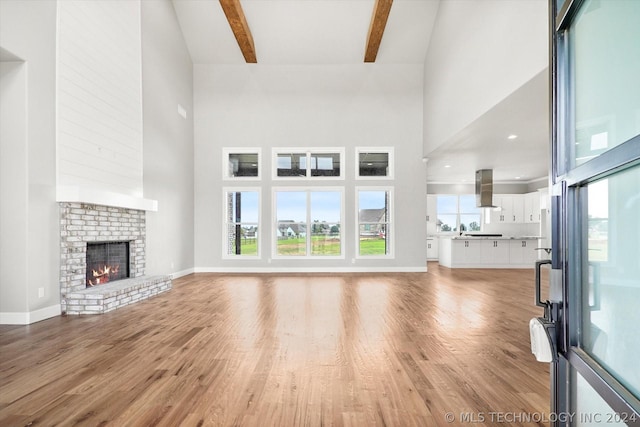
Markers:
point(85, 225)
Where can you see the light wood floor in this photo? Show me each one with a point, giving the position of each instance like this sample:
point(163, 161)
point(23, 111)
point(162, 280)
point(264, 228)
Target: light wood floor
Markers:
point(286, 350)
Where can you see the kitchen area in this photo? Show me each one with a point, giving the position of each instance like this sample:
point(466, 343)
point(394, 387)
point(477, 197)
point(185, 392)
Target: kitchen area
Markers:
point(486, 230)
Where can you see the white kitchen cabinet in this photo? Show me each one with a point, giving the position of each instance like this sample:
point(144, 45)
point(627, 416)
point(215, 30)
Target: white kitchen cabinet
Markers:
point(432, 248)
point(511, 209)
point(532, 208)
point(487, 252)
point(495, 252)
point(523, 252)
point(466, 252)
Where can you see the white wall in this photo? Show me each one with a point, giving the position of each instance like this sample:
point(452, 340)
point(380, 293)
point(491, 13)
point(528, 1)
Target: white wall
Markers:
point(99, 96)
point(480, 52)
point(14, 185)
point(310, 106)
point(167, 81)
point(28, 31)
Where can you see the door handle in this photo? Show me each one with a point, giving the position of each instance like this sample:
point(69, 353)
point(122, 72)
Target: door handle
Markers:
point(539, 265)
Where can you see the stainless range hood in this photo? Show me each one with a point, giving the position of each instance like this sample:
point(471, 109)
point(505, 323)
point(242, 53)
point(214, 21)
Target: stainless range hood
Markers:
point(484, 188)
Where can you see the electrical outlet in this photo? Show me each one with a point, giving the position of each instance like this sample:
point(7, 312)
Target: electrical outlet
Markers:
point(40, 292)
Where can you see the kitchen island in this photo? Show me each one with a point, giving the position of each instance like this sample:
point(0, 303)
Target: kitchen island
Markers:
point(488, 251)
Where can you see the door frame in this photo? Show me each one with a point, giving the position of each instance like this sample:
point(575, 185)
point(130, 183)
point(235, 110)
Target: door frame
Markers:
point(567, 210)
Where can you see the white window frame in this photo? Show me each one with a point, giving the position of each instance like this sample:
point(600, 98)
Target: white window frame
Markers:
point(225, 223)
point(308, 151)
point(226, 151)
point(390, 170)
point(390, 223)
point(274, 226)
point(457, 214)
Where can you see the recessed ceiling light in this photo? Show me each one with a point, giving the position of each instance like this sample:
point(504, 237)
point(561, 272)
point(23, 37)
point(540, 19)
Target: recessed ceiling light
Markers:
point(512, 136)
point(517, 177)
point(447, 166)
point(369, 164)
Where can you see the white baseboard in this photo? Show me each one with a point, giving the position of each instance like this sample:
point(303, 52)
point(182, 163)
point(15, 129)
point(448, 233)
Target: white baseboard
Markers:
point(310, 270)
point(29, 317)
point(179, 274)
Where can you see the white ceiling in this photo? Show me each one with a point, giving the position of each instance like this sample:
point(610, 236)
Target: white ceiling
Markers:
point(485, 143)
point(335, 32)
point(307, 31)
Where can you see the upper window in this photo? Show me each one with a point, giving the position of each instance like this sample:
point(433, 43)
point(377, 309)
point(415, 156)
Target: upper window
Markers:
point(242, 220)
point(308, 223)
point(458, 213)
point(295, 163)
point(374, 163)
point(604, 96)
point(374, 221)
point(241, 163)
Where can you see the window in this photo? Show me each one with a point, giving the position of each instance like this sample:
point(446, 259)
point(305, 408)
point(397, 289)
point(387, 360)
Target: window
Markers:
point(374, 221)
point(308, 223)
point(241, 163)
point(458, 213)
point(374, 163)
point(294, 163)
point(470, 216)
point(242, 220)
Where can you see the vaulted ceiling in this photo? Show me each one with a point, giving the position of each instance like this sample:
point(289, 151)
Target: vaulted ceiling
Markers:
point(308, 31)
point(330, 32)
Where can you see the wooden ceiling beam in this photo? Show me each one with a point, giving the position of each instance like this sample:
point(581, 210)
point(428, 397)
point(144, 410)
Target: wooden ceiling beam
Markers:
point(238, 23)
point(378, 22)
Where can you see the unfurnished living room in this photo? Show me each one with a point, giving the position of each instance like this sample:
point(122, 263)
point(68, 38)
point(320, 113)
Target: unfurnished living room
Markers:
point(319, 212)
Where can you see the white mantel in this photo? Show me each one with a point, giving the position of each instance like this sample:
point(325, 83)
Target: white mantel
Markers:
point(70, 193)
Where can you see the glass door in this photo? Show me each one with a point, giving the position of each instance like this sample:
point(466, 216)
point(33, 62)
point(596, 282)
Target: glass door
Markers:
point(595, 187)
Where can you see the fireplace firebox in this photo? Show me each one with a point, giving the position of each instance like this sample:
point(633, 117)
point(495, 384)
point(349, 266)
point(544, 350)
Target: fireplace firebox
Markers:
point(107, 262)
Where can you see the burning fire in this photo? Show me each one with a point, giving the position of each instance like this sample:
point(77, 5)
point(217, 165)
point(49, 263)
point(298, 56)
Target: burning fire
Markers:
point(102, 274)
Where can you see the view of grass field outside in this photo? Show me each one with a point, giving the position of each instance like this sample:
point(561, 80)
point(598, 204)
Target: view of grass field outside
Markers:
point(242, 222)
point(308, 222)
point(373, 222)
point(598, 212)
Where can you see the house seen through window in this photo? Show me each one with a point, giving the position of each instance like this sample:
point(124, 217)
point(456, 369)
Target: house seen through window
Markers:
point(308, 223)
point(242, 220)
point(374, 219)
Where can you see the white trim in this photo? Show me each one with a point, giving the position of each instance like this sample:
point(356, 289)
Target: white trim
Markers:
point(75, 194)
point(178, 274)
point(308, 151)
point(309, 221)
point(322, 270)
point(29, 317)
point(243, 150)
point(391, 220)
point(381, 150)
point(226, 190)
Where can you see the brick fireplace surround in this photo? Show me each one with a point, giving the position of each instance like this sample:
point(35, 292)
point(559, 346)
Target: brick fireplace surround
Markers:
point(81, 223)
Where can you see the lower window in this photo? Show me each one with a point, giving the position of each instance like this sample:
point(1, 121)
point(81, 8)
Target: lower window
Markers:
point(308, 223)
point(242, 217)
point(374, 222)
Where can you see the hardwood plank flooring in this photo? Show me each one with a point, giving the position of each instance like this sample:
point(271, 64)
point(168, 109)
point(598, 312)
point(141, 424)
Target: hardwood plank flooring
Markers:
point(286, 350)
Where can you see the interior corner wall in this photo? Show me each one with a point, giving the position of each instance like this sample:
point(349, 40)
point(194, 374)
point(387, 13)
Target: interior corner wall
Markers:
point(28, 31)
point(167, 83)
point(309, 106)
point(479, 53)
